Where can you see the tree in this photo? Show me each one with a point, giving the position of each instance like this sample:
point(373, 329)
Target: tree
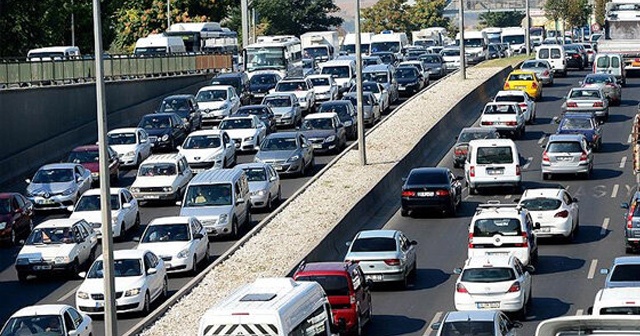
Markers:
point(578, 12)
point(427, 13)
point(501, 19)
point(292, 17)
point(599, 10)
point(386, 15)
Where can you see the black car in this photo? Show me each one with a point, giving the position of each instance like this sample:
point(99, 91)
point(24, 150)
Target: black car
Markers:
point(494, 51)
point(387, 57)
point(578, 48)
point(166, 130)
point(185, 106)
point(261, 83)
point(239, 81)
point(263, 112)
point(347, 114)
point(428, 188)
point(434, 64)
point(409, 79)
point(574, 59)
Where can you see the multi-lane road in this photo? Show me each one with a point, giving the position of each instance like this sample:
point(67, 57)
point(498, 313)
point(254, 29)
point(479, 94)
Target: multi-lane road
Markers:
point(567, 277)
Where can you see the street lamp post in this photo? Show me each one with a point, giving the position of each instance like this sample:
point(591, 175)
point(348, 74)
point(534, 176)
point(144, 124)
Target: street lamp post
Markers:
point(463, 60)
point(527, 27)
point(168, 14)
point(361, 141)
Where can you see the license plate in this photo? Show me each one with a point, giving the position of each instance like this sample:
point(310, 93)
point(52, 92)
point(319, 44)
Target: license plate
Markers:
point(317, 146)
point(151, 197)
point(375, 277)
point(45, 201)
point(564, 158)
point(497, 253)
point(520, 87)
point(495, 171)
point(545, 229)
point(277, 167)
point(259, 95)
point(488, 305)
point(425, 193)
point(196, 171)
point(41, 267)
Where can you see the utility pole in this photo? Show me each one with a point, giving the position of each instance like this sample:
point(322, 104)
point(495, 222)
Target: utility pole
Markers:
point(73, 29)
point(244, 12)
point(463, 58)
point(168, 14)
point(361, 141)
point(110, 317)
point(527, 27)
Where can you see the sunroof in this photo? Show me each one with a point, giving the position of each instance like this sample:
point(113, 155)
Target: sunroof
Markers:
point(258, 297)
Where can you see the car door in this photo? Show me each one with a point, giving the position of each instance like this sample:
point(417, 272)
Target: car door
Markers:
point(125, 214)
point(229, 148)
point(202, 244)
point(531, 236)
point(144, 145)
point(81, 325)
point(184, 172)
point(82, 247)
point(305, 147)
point(341, 132)
point(574, 209)
point(406, 251)
point(456, 188)
point(132, 213)
point(83, 179)
point(274, 180)
point(261, 129)
point(523, 275)
point(235, 100)
point(19, 220)
point(241, 208)
point(154, 281)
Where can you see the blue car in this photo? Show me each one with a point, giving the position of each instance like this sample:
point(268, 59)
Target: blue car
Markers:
point(582, 123)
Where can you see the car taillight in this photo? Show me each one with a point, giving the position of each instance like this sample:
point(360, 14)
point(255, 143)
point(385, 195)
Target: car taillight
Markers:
point(562, 214)
point(511, 123)
point(576, 55)
point(610, 85)
point(545, 73)
point(461, 151)
point(523, 105)
point(525, 241)
point(598, 104)
point(408, 193)
point(545, 156)
point(392, 262)
point(506, 86)
point(632, 209)
point(472, 171)
point(487, 123)
point(572, 104)
point(461, 289)
point(442, 193)
point(589, 52)
point(534, 85)
point(515, 287)
point(470, 240)
point(518, 171)
point(583, 156)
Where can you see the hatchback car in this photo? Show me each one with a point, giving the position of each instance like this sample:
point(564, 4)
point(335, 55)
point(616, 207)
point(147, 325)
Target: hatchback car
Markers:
point(370, 106)
point(285, 107)
point(125, 214)
point(16, 217)
point(48, 319)
point(410, 80)
point(625, 272)
point(325, 88)
point(585, 124)
point(261, 83)
point(140, 279)
point(217, 102)
point(608, 84)
point(245, 132)
point(166, 130)
point(557, 212)
point(525, 81)
point(325, 132)
point(263, 112)
point(567, 154)
point(346, 113)
point(131, 144)
point(264, 185)
point(574, 59)
point(186, 107)
point(302, 88)
point(208, 149)
point(476, 322)
point(461, 147)
point(57, 186)
point(287, 152)
point(632, 223)
point(384, 255)
point(181, 242)
point(431, 188)
point(542, 68)
point(347, 290)
point(88, 157)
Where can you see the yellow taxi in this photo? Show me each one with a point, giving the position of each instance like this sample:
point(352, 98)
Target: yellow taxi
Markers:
point(525, 81)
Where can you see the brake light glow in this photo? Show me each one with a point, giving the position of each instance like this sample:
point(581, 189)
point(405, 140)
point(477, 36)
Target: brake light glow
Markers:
point(506, 86)
point(525, 241)
point(472, 171)
point(489, 123)
point(514, 288)
point(461, 151)
point(562, 214)
point(442, 193)
point(240, 314)
point(545, 157)
point(470, 240)
point(632, 209)
point(518, 171)
point(511, 123)
point(392, 262)
point(408, 193)
point(461, 289)
point(572, 104)
point(545, 73)
point(598, 104)
point(534, 85)
point(583, 156)
point(523, 105)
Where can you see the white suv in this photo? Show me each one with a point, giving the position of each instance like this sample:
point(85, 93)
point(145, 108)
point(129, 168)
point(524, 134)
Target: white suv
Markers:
point(302, 88)
point(506, 117)
point(503, 229)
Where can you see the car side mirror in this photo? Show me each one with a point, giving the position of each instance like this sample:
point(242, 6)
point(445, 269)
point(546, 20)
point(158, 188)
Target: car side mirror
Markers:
point(179, 147)
point(536, 226)
point(126, 205)
point(198, 236)
point(530, 269)
point(272, 179)
point(436, 326)
point(82, 274)
point(79, 179)
point(457, 270)
point(28, 181)
point(136, 239)
point(143, 141)
point(72, 333)
point(304, 145)
point(580, 83)
point(239, 201)
point(297, 128)
point(178, 203)
point(624, 205)
point(413, 242)
point(604, 271)
point(348, 243)
point(152, 271)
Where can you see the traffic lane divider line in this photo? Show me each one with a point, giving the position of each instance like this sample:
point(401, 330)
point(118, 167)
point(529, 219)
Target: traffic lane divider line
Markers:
point(69, 294)
point(605, 225)
point(592, 268)
point(579, 312)
point(526, 165)
point(623, 161)
point(435, 319)
point(542, 139)
point(614, 192)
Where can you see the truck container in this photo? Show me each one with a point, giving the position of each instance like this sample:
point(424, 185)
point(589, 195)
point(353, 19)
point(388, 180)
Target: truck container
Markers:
point(322, 46)
point(621, 27)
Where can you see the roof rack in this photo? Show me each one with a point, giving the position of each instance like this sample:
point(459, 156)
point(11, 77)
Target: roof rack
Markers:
point(495, 204)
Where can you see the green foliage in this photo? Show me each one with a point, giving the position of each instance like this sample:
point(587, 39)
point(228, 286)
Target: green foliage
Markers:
point(599, 11)
point(294, 16)
point(556, 9)
point(578, 12)
point(397, 15)
point(501, 19)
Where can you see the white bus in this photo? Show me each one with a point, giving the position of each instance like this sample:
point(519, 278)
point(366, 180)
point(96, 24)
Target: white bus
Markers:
point(279, 53)
point(270, 307)
point(53, 53)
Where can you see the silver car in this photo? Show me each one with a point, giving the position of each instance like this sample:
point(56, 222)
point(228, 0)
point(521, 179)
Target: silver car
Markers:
point(382, 95)
point(285, 107)
point(370, 106)
point(264, 185)
point(476, 322)
point(58, 186)
point(567, 154)
point(607, 83)
point(542, 68)
point(587, 100)
point(287, 152)
point(384, 255)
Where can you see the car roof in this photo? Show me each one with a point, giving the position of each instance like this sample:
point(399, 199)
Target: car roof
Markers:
point(234, 116)
point(44, 309)
point(59, 166)
point(319, 76)
point(479, 129)
point(256, 106)
point(441, 170)
point(489, 261)
point(85, 148)
point(510, 93)
point(619, 293)
point(471, 315)
point(376, 67)
point(179, 96)
point(293, 79)
point(251, 165)
point(321, 115)
point(377, 233)
point(59, 222)
point(155, 115)
point(283, 134)
point(207, 132)
point(565, 137)
point(541, 192)
point(216, 176)
point(325, 266)
point(170, 220)
point(520, 71)
point(97, 191)
point(126, 254)
point(281, 95)
point(215, 87)
point(172, 157)
point(627, 260)
point(492, 142)
point(333, 102)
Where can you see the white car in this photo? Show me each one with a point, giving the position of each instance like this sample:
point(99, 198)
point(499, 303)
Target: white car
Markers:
point(217, 102)
point(125, 214)
point(527, 105)
point(325, 88)
point(48, 319)
point(557, 212)
point(496, 282)
point(264, 185)
point(162, 177)
point(246, 132)
point(181, 242)
point(140, 279)
point(57, 246)
point(506, 117)
point(302, 88)
point(131, 144)
point(207, 149)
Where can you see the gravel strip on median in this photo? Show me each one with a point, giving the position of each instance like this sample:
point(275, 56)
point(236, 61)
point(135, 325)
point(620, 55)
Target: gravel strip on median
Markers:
point(302, 224)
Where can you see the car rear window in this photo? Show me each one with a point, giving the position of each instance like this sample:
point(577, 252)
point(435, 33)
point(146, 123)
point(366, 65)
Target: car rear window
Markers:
point(467, 136)
point(476, 328)
point(576, 124)
point(489, 274)
point(374, 245)
point(520, 77)
point(494, 155)
point(332, 284)
point(555, 53)
point(427, 177)
point(625, 273)
point(510, 98)
point(499, 109)
point(564, 147)
point(541, 204)
point(544, 53)
point(490, 227)
point(620, 311)
point(603, 62)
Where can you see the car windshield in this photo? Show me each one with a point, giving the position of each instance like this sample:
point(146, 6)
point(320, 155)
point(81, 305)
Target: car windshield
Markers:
point(49, 325)
point(5, 205)
point(379, 77)
point(255, 174)
point(510, 98)
point(155, 122)
point(333, 285)
point(430, 59)
point(598, 80)
point(488, 274)
point(165, 233)
point(316, 124)
point(533, 65)
point(208, 195)
point(240, 123)
point(257, 111)
point(625, 273)
point(211, 96)
point(564, 147)
point(385, 46)
point(278, 144)
point(235, 82)
point(490, 227)
point(83, 157)
point(263, 80)
point(371, 87)
point(371, 61)
point(53, 175)
point(494, 155)
point(468, 328)
point(450, 52)
point(50, 235)
point(340, 109)
point(320, 81)
point(92, 203)
point(374, 245)
point(513, 39)
point(157, 169)
point(500, 109)
point(576, 124)
point(427, 177)
point(406, 73)
point(291, 86)
point(584, 94)
point(278, 102)
point(541, 204)
point(336, 71)
point(202, 141)
point(474, 135)
point(121, 138)
point(122, 268)
point(174, 105)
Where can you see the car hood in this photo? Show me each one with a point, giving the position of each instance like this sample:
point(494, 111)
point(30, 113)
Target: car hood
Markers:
point(153, 181)
point(315, 134)
point(261, 88)
point(206, 211)
point(45, 251)
point(455, 59)
point(92, 216)
point(588, 133)
point(164, 248)
point(96, 285)
point(432, 65)
point(93, 167)
point(276, 155)
point(158, 132)
point(322, 88)
point(200, 154)
point(282, 110)
point(241, 133)
point(215, 105)
point(258, 185)
point(123, 149)
point(41, 189)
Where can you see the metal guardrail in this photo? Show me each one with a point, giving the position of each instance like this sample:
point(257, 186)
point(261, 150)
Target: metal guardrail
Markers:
point(21, 73)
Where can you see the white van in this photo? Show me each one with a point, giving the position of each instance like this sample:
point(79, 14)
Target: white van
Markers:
point(475, 44)
point(390, 41)
point(617, 301)
point(270, 306)
point(343, 72)
point(53, 53)
point(492, 163)
point(612, 64)
point(157, 44)
point(555, 55)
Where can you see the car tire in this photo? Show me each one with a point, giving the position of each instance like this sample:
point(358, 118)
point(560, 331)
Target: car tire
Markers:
point(136, 223)
point(269, 206)
point(522, 313)
point(404, 212)
point(75, 269)
point(13, 239)
point(279, 198)
point(546, 176)
point(22, 276)
point(92, 257)
point(234, 228)
point(303, 169)
point(146, 305)
point(165, 288)
point(473, 191)
point(138, 160)
point(194, 267)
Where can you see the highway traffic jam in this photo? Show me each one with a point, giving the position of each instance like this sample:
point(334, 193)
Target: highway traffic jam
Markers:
point(520, 222)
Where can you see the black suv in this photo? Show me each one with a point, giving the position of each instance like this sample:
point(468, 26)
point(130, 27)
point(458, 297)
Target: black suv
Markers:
point(261, 83)
point(239, 81)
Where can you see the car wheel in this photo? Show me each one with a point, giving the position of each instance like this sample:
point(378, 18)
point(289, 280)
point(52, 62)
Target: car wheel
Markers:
point(13, 239)
point(224, 163)
point(234, 228)
point(138, 160)
point(194, 267)
point(303, 169)
point(279, 198)
point(116, 176)
point(269, 206)
point(165, 287)
point(136, 224)
point(146, 305)
point(75, 269)
point(546, 176)
point(22, 276)
point(522, 313)
point(473, 190)
point(404, 212)
point(92, 257)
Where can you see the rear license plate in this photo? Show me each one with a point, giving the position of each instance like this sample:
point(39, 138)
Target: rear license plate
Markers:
point(497, 253)
point(564, 158)
point(425, 193)
point(45, 201)
point(520, 87)
point(41, 267)
point(197, 171)
point(375, 277)
point(495, 171)
point(488, 305)
point(545, 229)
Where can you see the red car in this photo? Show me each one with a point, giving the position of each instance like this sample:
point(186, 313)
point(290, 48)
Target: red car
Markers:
point(16, 213)
point(347, 290)
point(87, 156)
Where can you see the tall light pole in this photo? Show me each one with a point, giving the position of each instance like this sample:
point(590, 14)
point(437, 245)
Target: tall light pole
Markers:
point(110, 318)
point(361, 143)
point(244, 12)
point(168, 14)
point(73, 29)
point(527, 27)
point(463, 59)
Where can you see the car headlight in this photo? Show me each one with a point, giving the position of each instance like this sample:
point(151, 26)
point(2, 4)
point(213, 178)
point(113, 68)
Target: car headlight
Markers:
point(132, 292)
point(330, 138)
point(135, 190)
point(82, 295)
point(223, 218)
point(223, 106)
point(348, 123)
point(167, 189)
point(68, 192)
point(294, 158)
point(214, 158)
point(3, 225)
point(259, 192)
point(165, 137)
point(257, 159)
point(132, 153)
point(62, 260)
point(184, 254)
point(248, 138)
point(22, 261)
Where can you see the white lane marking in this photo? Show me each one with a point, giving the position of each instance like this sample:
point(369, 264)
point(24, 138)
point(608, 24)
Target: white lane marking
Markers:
point(630, 138)
point(68, 295)
point(623, 161)
point(542, 140)
point(592, 268)
point(467, 197)
point(526, 165)
point(579, 312)
point(435, 319)
point(605, 225)
point(614, 192)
